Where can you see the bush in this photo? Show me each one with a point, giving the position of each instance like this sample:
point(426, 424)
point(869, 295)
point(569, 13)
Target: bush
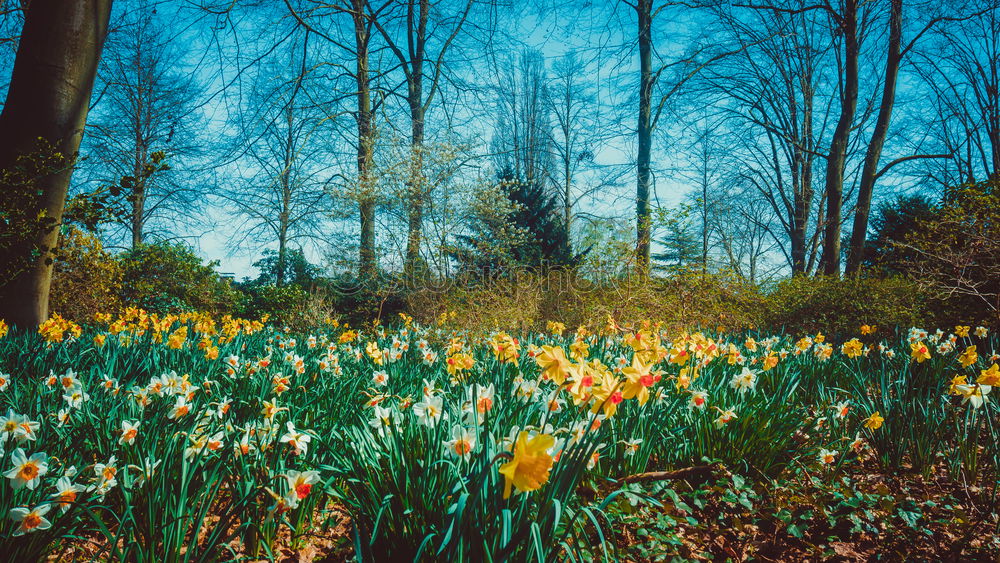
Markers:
point(528, 301)
point(288, 305)
point(85, 278)
point(170, 278)
point(955, 253)
point(839, 306)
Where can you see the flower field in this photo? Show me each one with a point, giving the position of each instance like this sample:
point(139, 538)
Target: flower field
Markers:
point(187, 438)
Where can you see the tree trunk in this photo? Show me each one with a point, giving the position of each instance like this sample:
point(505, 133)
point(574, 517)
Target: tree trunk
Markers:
point(859, 232)
point(366, 200)
point(417, 39)
point(848, 23)
point(48, 98)
point(642, 211)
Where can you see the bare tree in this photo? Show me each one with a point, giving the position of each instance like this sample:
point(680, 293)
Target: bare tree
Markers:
point(419, 33)
point(522, 141)
point(775, 116)
point(962, 70)
point(576, 129)
point(147, 108)
point(280, 192)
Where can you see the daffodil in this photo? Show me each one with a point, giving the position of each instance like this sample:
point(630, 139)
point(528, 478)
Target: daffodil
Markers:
point(874, 422)
point(430, 411)
point(638, 380)
point(298, 441)
point(27, 472)
point(968, 357)
point(66, 493)
point(30, 520)
point(529, 469)
point(461, 444)
point(989, 376)
point(553, 363)
point(852, 348)
point(300, 483)
point(744, 381)
point(129, 431)
point(919, 351)
point(698, 400)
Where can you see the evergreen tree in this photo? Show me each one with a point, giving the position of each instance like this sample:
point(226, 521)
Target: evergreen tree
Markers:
point(517, 224)
point(893, 221)
point(679, 246)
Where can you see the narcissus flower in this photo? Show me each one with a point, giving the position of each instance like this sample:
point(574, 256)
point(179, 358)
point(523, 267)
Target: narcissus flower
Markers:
point(874, 422)
point(461, 444)
point(66, 493)
point(827, 457)
point(180, 408)
point(852, 348)
point(989, 376)
point(430, 411)
point(698, 400)
point(638, 380)
point(299, 441)
point(27, 472)
point(554, 364)
point(300, 483)
point(30, 520)
point(968, 357)
point(129, 431)
point(974, 394)
point(919, 352)
point(744, 381)
point(529, 469)
point(725, 417)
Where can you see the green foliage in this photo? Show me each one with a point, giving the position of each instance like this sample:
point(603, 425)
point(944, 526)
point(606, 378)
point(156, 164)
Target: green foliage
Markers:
point(955, 253)
point(294, 269)
point(839, 306)
point(523, 229)
point(893, 222)
point(170, 277)
point(24, 212)
point(86, 279)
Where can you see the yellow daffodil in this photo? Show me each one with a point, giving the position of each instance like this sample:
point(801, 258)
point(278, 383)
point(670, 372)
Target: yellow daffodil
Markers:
point(529, 469)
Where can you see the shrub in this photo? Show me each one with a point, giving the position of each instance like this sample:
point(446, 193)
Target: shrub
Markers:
point(85, 279)
point(839, 306)
point(165, 277)
point(288, 305)
point(528, 301)
point(955, 253)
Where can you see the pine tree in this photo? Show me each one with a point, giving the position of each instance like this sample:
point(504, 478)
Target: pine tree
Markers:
point(518, 226)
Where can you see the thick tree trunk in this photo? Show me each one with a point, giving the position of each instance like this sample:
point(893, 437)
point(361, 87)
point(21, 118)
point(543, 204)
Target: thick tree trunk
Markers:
point(866, 188)
point(848, 22)
point(47, 99)
point(645, 138)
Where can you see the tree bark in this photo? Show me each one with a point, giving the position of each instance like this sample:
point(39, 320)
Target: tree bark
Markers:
point(869, 171)
point(48, 98)
point(848, 23)
point(367, 264)
point(644, 134)
point(417, 41)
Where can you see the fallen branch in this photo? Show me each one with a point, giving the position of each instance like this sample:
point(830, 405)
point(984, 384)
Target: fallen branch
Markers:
point(698, 472)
